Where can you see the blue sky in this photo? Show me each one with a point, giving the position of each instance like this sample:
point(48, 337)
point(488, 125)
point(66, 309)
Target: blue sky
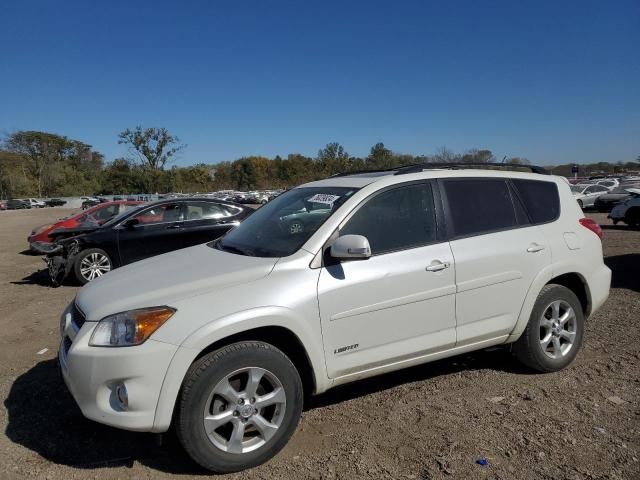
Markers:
point(554, 81)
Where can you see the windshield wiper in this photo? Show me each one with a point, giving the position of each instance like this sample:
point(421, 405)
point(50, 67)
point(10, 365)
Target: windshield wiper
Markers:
point(232, 249)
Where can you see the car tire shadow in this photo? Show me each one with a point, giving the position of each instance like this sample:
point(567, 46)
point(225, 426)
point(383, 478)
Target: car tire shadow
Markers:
point(625, 271)
point(39, 277)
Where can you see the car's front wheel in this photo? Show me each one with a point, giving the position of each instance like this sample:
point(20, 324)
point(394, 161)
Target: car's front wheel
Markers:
point(239, 406)
point(91, 263)
point(554, 333)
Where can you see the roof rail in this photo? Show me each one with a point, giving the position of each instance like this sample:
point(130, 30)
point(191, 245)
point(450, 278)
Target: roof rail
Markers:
point(374, 170)
point(418, 167)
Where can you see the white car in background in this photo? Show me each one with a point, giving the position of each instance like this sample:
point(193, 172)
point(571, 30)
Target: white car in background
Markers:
point(628, 211)
point(36, 203)
point(610, 183)
point(586, 194)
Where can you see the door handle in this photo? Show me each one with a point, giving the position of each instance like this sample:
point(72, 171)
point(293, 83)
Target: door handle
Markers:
point(437, 266)
point(535, 248)
point(174, 227)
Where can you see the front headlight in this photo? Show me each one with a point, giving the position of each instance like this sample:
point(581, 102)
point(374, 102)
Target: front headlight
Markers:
point(129, 328)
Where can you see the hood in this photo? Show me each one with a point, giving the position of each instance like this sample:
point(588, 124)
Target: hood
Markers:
point(74, 231)
point(167, 278)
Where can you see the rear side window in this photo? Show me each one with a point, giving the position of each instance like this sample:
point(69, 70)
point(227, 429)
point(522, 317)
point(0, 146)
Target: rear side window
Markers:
point(208, 210)
point(479, 206)
point(540, 199)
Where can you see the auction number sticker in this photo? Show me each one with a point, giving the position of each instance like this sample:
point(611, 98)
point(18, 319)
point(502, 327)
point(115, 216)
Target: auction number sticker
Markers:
point(324, 198)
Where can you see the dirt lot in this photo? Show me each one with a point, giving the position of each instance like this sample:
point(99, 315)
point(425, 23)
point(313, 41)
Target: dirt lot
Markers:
point(433, 421)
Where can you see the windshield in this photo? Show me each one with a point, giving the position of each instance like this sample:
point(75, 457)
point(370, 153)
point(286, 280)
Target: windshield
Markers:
point(577, 188)
point(282, 226)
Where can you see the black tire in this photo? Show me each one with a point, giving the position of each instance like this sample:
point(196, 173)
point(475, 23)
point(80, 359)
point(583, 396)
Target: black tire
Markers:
point(632, 217)
point(77, 263)
point(196, 392)
point(528, 348)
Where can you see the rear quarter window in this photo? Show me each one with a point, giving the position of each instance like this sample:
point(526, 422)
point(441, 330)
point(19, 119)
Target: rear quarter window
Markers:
point(540, 198)
point(478, 206)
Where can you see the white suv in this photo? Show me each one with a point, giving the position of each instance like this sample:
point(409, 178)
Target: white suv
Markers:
point(387, 270)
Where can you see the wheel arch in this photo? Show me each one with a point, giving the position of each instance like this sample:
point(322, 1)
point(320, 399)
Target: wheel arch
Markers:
point(310, 367)
point(280, 337)
point(577, 284)
point(567, 275)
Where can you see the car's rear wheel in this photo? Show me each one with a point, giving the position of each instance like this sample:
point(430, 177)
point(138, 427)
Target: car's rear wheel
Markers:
point(90, 264)
point(554, 333)
point(239, 406)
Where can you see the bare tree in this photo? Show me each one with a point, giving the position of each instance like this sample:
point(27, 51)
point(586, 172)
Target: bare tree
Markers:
point(445, 155)
point(154, 147)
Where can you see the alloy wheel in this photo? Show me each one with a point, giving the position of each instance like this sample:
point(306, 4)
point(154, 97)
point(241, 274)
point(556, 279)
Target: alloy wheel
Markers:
point(94, 265)
point(558, 328)
point(244, 410)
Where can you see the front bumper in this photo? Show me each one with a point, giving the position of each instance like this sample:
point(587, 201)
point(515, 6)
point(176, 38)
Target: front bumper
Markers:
point(93, 373)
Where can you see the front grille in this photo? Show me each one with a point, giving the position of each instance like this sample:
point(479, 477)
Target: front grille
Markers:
point(77, 317)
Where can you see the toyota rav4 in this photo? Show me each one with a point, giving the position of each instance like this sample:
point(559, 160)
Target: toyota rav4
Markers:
point(384, 270)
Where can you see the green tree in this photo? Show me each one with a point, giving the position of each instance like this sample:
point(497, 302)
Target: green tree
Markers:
point(153, 147)
point(380, 157)
point(15, 181)
point(332, 159)
point(41, 150)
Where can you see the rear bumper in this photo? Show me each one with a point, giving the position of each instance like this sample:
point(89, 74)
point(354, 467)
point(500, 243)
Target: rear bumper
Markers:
point(599, 284)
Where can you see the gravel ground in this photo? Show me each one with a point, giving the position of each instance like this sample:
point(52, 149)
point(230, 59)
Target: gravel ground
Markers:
point(432, 421)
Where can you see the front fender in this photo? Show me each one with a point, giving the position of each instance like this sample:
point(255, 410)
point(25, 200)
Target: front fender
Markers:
point(224, 327)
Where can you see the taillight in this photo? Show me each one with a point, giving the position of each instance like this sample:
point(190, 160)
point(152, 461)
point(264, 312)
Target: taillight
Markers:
point(592, 225)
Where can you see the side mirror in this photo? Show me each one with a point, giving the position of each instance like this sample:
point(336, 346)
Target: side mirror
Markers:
point(351, 247)
point(130, 223)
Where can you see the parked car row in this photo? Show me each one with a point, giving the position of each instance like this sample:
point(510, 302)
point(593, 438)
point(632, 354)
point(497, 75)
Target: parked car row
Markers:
point(603, 194)
point(252, 198)
point(22, 203)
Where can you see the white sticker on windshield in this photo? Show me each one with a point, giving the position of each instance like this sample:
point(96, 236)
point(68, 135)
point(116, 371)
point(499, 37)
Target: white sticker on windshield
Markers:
point(323, 198)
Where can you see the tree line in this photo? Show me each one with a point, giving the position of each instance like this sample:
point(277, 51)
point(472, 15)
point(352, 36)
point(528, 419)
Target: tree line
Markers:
point(44, 164)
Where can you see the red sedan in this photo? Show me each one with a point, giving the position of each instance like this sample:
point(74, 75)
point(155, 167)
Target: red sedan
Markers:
point(100, 214)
